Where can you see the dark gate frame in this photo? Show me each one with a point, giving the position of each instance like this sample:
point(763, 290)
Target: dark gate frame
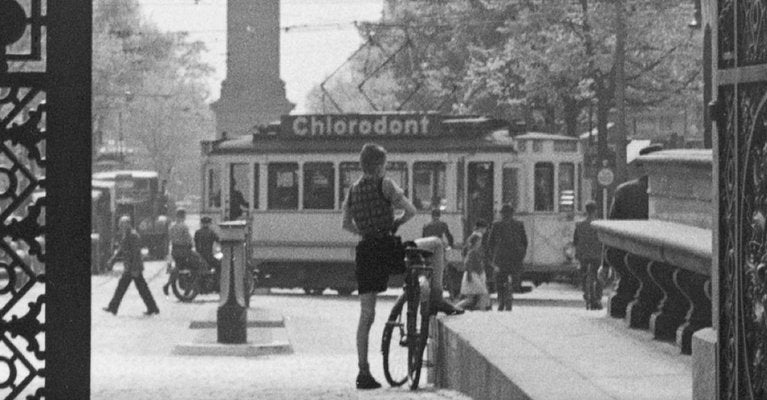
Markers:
point(740, 114)
point(46, 106)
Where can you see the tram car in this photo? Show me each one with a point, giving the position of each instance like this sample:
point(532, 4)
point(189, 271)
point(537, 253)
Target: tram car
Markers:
point(290, 178)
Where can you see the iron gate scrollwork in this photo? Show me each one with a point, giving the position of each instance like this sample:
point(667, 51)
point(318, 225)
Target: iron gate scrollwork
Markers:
point(23, 77)
point(741, 116)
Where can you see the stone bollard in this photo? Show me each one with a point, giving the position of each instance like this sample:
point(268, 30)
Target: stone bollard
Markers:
point(232, 309)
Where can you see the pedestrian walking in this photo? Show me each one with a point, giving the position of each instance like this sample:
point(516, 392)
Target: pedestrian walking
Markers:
point(368, 211)
point(588, 252)
point(474, 282)
point(507, 244)
point(130, 253)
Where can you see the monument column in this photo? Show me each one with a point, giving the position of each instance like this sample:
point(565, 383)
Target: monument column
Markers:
point(252, 93)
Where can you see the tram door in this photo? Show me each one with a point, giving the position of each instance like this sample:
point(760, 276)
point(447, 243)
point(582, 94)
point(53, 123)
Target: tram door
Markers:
point(479, 198)
point(239, 187)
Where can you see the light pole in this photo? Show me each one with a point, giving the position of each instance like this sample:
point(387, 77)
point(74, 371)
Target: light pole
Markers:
point(121, 138)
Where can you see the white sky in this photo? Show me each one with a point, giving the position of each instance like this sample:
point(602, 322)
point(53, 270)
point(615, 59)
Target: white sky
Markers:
point(308, 53)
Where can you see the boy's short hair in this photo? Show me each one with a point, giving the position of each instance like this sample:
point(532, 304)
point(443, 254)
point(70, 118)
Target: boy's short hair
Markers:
point(372, 156)
point(436, 212)
point(480, 223)
point(591, 206)
point(180, 213)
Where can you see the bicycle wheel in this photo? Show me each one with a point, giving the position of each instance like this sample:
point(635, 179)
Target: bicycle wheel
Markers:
point(394, 345)
point(186, 286)
point(417, 348)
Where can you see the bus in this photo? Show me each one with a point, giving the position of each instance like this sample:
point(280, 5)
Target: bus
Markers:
point(290, 178)
point(139, 195)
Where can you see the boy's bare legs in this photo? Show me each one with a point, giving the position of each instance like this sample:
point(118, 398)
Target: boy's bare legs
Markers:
point(367, 316)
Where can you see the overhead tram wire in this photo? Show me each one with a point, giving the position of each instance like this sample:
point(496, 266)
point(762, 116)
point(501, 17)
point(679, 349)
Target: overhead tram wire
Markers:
point(345, 25)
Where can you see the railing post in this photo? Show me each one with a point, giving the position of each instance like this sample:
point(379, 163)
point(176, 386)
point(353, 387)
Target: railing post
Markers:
point(232, 309)
point(672, 307)
point(647, 296)
point(627, 284)
point(696, 288)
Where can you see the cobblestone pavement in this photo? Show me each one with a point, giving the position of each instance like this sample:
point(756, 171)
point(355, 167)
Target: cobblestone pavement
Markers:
point(132, 354)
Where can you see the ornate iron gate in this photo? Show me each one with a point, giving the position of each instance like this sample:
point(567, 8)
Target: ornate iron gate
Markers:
point(741, 116)
point(22, 197)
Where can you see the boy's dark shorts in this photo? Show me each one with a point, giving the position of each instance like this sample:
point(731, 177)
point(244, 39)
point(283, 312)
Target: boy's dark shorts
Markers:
point(371, 269)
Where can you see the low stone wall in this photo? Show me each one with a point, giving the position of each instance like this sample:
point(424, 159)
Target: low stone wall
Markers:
point(665, 263)
point(461, 366)
point(664, 277)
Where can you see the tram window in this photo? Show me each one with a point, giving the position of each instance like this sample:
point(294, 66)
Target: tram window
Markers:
point(349, 173)
point(537, 146)
point(565, 146)
point(510, 186)
point(256, 186)
point(566, 187)
point(480, 192)
point(214, 188)
point(239, 187)
point(522, 146)
point(459, 184)
point(319, 186)
point(544, 186)
point(428, 185)
point(397, 171)
point(282, 192)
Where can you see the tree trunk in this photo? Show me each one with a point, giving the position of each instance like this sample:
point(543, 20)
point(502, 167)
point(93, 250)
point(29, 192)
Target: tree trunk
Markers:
point(571, 112)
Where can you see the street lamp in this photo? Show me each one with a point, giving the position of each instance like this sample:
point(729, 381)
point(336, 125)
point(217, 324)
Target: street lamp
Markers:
point(695, 24)
point(121, 139)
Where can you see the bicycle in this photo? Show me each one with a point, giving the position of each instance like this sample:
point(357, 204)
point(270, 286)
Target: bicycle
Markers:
point(408, 339)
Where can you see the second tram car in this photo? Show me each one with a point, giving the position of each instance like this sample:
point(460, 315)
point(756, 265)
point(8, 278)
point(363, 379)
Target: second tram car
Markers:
point(290, 179)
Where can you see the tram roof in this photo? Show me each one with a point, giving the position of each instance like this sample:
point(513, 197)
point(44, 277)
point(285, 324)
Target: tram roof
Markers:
point(111, 175)
point(456, 134)
point(544, 136)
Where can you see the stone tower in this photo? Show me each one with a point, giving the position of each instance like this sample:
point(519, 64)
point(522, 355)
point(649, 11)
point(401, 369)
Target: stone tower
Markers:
point(252, 93)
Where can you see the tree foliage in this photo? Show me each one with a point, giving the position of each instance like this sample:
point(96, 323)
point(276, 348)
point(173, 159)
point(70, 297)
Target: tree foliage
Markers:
point(149, 88)
point(547, 60)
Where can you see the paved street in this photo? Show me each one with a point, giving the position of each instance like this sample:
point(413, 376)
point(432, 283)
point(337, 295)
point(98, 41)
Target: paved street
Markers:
point(131, 357)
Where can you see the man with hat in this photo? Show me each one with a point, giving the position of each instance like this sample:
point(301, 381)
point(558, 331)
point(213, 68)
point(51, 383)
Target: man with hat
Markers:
point(507, 245)
point(204, 238)
point(630, 201)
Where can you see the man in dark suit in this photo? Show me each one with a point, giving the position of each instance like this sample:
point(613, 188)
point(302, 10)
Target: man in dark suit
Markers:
point(630, 201)
point(507, 243)
point(130, 253)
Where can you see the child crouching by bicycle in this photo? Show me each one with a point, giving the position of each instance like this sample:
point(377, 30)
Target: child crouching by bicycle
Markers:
point(474, 283)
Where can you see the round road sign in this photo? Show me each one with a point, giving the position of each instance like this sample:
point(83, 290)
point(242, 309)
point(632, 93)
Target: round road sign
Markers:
point(605, 177)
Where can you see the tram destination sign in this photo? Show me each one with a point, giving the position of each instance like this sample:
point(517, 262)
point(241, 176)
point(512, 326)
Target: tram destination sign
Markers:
point(344, 125)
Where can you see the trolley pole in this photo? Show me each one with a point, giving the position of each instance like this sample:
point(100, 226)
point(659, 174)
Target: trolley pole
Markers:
point(232, 309)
